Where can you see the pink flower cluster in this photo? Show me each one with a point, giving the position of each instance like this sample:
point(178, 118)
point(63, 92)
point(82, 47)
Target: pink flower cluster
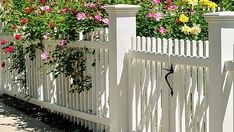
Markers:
point(46, 36)
point(99, 18)
point(46, 8)
point(156, 16)
point(45, 55)
point(162, 30)
point(80, 16)
point(90, 5)
point(156, 1)
point(64, 10)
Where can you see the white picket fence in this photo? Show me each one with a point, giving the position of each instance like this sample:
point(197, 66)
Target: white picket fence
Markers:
point(43, 87)
point(129, 88)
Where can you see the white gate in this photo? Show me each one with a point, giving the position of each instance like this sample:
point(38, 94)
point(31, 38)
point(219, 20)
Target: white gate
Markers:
point(168, 93)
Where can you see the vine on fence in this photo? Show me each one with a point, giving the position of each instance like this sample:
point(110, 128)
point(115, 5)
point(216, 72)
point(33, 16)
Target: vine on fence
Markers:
point(31, 21)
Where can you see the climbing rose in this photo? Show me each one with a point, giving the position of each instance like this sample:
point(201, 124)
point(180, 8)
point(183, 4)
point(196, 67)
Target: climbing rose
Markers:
point(24, 21)
point(171, 7)
point(43, 1)
point(80, 16)
point(156, 1)
point(90, 5)
point(9, 49)
point(3, 42)
point(162, 30)
point(45, 8)
point(64, 10)
point(46, 36)
point(105, 21)
point(28, 10)
point(45, 55)
point(98, 17)
point(17, 36)
point(156, 16)
point(62, 42)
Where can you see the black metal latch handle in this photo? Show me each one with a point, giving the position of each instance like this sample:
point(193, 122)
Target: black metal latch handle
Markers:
point(170, 71)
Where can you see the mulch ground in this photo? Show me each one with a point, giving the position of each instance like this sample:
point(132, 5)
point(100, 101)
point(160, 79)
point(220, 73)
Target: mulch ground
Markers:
point(42, 114)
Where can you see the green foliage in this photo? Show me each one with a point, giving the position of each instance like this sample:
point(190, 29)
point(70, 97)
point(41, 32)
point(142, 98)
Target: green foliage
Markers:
point(72, 63)
point(227, 5)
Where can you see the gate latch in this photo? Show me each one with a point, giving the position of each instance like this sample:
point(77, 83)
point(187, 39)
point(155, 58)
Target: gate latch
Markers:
point(170, 71)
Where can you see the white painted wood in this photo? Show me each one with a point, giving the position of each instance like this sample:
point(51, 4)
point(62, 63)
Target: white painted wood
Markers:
point(93, 118)
point(154, 44)
point(176, 47)
point(159, 45)
point(122, 18)
point(221, 26)
point(107, 84)
point(188, 48)
point(196, 61)
point(165, 103)
point(165, 46)
point(89, 44)
point(148, 44)
point(143, 43)
point(138, 43)
point(98, 92)
point(182, 47)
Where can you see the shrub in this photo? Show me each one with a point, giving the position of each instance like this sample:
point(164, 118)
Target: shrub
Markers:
point(181, 19)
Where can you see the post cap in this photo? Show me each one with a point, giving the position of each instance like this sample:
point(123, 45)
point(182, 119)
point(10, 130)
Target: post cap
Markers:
point(122, 8)
point(219, 16)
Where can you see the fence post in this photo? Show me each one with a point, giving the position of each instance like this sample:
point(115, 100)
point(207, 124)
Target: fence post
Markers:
point(121, 28)
point(221, 30)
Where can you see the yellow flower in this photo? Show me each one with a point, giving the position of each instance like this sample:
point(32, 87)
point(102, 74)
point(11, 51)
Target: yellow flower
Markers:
point(204, 2)
point(193, 2)
point(183, 18)
point(212, 5)
point(186, 1)
point(195, 30)
point(186, 29)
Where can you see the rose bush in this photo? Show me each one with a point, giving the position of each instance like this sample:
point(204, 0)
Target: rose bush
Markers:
point(32, 22)
point(181, 19)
